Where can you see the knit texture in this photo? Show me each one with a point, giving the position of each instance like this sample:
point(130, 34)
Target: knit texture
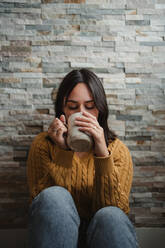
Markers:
point(94, 182)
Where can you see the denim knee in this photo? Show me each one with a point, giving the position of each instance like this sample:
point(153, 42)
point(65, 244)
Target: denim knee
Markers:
point(56, 194)
point(110, 218)
point(110, 215)
point(107, 225)
point(54, 198)
point(54, 220)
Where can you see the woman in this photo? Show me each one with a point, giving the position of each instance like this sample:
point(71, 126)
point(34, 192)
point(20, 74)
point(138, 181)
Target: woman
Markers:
point(79, 196)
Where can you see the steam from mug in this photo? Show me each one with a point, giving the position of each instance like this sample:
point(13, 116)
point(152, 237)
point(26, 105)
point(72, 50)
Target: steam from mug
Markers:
point(77, 140)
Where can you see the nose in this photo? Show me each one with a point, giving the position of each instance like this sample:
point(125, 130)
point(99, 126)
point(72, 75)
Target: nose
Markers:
point(81, 108)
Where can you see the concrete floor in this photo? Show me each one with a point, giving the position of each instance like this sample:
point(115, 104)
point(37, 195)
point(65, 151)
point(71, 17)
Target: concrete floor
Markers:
point(148, 238)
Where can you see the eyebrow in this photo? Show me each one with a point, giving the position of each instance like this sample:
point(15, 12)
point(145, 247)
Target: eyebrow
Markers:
point(76, 101)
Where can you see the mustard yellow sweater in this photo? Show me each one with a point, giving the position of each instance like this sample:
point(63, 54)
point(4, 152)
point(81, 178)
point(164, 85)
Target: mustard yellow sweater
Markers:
point(94, 182)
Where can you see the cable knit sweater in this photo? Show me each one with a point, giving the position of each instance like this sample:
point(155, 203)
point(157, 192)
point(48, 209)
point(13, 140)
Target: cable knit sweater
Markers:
point(94, 182)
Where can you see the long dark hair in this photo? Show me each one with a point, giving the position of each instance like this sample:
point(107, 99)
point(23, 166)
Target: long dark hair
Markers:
point(95, 86)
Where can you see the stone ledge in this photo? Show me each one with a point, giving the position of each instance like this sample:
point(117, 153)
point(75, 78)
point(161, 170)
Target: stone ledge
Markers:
point(148, 237)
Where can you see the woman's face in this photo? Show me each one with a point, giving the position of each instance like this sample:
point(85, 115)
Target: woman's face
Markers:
point(80, 99)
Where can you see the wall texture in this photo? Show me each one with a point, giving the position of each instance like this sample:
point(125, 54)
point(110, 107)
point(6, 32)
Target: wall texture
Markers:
point(123, 41)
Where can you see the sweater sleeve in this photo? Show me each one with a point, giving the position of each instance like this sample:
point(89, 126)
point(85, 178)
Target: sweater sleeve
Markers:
point(113, 178)
point(46, 165)
point(38, 176)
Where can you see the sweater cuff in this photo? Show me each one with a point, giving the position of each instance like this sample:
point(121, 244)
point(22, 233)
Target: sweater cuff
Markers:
point(103, 165)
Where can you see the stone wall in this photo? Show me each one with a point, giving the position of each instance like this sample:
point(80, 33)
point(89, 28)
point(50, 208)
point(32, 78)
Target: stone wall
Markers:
point(123, 42)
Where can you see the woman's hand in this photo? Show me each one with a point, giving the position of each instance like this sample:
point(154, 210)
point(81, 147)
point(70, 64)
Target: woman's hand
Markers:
point(57, 131)
point(88, 123)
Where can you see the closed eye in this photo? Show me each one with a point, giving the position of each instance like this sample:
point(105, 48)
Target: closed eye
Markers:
point(90, 107)
point(72, 107)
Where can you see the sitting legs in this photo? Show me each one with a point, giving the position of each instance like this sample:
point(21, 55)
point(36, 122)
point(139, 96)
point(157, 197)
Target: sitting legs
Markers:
point(111, 228)
point(54, 223)
point(53, 220)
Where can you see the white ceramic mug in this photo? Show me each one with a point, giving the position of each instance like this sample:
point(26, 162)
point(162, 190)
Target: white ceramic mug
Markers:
point(77, 140)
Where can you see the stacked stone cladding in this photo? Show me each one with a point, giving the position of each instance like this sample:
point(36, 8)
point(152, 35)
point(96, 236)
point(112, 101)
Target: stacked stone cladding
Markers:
point(123, 42)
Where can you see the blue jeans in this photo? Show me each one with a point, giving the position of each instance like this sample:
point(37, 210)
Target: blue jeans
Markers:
point(54, 223)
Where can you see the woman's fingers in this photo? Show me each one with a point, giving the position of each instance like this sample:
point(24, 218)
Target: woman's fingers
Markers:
point(53, 123)
point(92, 129)
point(56, 131)
point(87, 120)
point(87, 124)
point(88, 115)
point(56, 124)
point(63, 119)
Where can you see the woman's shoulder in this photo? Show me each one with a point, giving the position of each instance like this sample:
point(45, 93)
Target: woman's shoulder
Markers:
point(42, 139)
point(120, 153)
point(118, 146)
